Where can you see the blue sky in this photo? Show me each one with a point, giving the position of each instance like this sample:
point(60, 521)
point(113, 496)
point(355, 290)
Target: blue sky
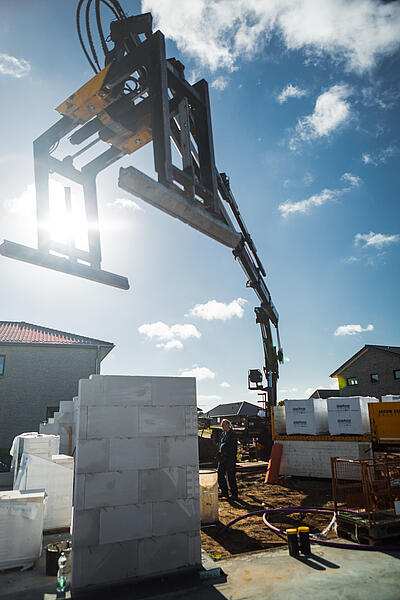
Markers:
point(305, 111)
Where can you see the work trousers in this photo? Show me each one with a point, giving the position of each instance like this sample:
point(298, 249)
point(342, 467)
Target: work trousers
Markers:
point(227, 469)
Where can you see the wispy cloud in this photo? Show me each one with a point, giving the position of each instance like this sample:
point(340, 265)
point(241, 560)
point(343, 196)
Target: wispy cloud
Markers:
point(225, 384)
point(375, 240)
point(352, 329)
point(168, 337)
point(218, 33)
point(200, 373)
point(125, 203)
point(380, 157)
point(326, 195)
point(24, 204)
point(15, 67)
point(291, 91)
point(331, 111)
point(220, 83)
point(218, 310)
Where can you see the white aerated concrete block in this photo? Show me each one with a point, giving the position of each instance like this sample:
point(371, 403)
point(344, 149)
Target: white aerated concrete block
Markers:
point(175, 517)
point(313, 459)
point(135, 453)
point(93, 456)
point(162, 554)
point(123, 523)
point(306, 416)
point(168, 391)
point(112, 421)
point(178, 451)
point(165, 420)
point(162, 484)
point(349, 415)
point(104, 564)
point(87, 533)
point(111, 489)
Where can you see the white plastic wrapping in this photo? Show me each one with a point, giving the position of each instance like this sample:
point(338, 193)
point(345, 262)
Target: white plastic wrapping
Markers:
point(33, 443)
point(21, 528)
point(349, 415)
point(306, 416)
point(57, 480)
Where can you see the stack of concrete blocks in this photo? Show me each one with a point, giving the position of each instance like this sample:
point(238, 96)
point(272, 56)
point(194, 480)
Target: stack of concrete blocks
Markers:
point(313, 458)
point(21, 528)
point(136, 499)
point(306, 416)
point(56, 477)
point(36, 444)
point(349, 415)
point(279, 420)
point(62, 424)
point(390, 398)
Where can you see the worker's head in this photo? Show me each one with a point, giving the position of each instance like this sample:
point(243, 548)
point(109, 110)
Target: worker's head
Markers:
point(226, 425)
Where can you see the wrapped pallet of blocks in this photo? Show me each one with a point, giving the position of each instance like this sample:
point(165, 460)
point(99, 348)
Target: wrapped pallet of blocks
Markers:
point(21, 528)
point(306, 416)
point(136, 498)
point(56, 478)
point(349, 415)
point(34, 443)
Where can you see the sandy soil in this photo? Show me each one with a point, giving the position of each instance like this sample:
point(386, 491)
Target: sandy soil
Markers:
point(251, 534)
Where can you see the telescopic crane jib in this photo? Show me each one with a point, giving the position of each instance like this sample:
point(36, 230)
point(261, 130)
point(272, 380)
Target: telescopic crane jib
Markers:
point(140, 96)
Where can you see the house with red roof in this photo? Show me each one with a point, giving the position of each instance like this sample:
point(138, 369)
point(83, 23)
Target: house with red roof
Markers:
point(39, 367)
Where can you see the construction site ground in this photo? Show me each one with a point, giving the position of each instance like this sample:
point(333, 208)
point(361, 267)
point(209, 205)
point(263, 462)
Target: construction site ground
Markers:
point(251, 534)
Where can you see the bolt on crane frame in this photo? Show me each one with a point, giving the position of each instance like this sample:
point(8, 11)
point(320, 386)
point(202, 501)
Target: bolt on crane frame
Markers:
point(138, 97)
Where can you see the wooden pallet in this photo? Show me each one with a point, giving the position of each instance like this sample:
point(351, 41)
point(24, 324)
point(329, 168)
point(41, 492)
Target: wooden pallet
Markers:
point(359, 529)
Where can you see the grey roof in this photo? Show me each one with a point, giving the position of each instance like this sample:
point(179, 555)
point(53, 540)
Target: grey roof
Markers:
point(391, 349)
point(234, 409)
point(324, 393)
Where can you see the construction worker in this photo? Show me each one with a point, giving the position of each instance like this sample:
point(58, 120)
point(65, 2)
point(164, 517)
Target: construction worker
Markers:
point(227, 460)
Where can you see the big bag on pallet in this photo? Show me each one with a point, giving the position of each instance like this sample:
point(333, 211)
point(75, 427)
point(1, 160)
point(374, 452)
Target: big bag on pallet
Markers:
point(57, 480)
point(33, 443)
point(21, 528)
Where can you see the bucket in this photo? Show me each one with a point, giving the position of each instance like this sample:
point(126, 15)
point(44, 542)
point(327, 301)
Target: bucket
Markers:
point(208, 496)
point(53, 553)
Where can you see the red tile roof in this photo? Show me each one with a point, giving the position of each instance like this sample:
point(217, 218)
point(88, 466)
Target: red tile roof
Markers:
point(27, 333)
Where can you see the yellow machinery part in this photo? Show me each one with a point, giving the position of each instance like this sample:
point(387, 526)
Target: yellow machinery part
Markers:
point(130, 140)
point(385, 422)
point(88, 101)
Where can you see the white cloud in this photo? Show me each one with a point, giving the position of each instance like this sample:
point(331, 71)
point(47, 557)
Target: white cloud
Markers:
point(16, 67)
point(380, 157)
point(125, 203)
point(217, 33)
point(200, 373)
point(24, 204)
point(351, 259)
point(376, 240)
point(209, 398)
point(225, 384)
point(352, 180)
point(352, 329)
point(326, 195)
point(167, 337)
point(331, 110)
point(220, 83)
point(308, 178)
point(291, 91)
point(218, 310)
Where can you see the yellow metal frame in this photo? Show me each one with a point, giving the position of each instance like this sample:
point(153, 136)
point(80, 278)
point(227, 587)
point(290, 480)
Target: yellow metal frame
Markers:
point(88, 101)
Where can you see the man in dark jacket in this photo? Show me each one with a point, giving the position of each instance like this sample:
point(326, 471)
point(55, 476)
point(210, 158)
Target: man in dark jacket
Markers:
point(227, 460)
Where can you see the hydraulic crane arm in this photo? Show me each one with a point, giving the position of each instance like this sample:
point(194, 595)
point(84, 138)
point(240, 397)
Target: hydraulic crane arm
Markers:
point(266, 314)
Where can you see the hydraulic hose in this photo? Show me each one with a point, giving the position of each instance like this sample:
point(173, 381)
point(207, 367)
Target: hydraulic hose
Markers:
point(314, 539)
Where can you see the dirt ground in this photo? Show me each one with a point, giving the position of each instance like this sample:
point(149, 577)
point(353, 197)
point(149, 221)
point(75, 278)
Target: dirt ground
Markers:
point(251, 534)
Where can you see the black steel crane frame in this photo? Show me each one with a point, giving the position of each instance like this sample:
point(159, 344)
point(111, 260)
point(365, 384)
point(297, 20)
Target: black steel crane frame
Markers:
point(162, 107)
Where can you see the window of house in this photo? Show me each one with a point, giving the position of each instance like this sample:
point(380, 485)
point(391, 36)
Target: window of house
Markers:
point(374, 377)
point(396, 373)
point(352, 381)
point(2, 364)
